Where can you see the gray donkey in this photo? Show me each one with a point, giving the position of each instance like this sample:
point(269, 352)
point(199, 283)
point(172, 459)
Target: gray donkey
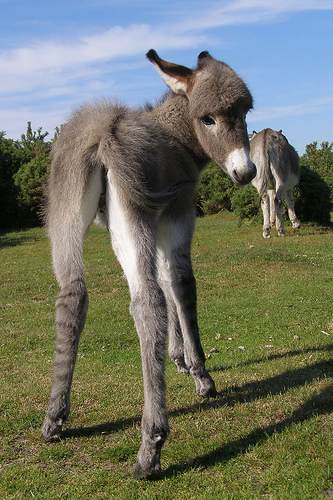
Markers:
point(139, 170)
point(277, 174)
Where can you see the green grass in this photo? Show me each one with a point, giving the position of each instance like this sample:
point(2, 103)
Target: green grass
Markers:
point(263, 306)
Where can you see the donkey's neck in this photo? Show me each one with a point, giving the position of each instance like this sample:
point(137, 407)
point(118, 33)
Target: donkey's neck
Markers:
point(172, 114)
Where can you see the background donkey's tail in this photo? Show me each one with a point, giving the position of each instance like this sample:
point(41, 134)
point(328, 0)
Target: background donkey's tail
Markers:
point(260, 157)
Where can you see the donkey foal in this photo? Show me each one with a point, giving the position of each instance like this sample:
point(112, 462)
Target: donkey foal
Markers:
point(138, 170)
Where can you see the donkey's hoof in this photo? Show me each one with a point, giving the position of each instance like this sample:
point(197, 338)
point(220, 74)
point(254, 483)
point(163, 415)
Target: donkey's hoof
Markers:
point(281, 232)
point(266, 234)
point(150, 474)
point(296, 225)
point(205, 386)
point(51, 431)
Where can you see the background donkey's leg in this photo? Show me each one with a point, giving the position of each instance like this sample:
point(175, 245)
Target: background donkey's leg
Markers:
point(280, 189)
point(291, 208)
point(67, 231)
point(271, 194)
point(265, 210)
point(134, 242)
point(176, 246)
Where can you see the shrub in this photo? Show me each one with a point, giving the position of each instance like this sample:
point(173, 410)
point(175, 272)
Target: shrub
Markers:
point(320, 160)
point(312, 198)
point(30, 180)
point(245, 203)
point(214, 191)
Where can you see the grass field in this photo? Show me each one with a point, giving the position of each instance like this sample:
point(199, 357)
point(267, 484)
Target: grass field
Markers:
point(266, 315)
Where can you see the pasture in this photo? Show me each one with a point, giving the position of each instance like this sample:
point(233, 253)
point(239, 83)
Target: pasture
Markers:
point(265, 309)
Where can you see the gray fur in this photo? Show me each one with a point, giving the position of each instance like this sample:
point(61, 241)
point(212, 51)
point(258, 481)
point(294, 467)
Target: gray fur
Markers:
point(138, 171)
point(277, 174)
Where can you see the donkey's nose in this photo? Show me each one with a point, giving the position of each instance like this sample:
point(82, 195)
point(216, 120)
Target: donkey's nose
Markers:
point(245, 176)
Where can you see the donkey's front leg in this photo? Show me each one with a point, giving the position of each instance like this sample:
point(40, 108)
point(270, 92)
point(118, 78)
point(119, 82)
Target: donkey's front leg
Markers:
point(177, 278)
point(72, 305)
point(149, 311)
point(184, 288)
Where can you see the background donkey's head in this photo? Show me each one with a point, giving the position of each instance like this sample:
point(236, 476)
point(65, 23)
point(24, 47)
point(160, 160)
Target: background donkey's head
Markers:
point(218, 103)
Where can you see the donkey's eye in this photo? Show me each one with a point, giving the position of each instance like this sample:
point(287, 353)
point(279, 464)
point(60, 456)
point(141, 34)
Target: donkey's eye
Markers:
point(208, 120)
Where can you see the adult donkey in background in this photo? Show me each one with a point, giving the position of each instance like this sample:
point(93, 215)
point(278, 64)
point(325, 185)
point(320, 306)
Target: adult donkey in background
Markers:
point(277, 174)
point(140, 170)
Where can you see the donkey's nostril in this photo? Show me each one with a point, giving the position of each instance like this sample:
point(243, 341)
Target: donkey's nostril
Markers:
point(236, 176)
point(246, 176)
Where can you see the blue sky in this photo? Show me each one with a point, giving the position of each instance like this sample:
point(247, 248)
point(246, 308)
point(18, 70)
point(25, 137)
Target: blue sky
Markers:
point(56, 55)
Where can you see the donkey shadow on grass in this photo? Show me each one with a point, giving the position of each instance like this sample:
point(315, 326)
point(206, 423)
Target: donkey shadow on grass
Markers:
point(318, 404)
point(13, 239)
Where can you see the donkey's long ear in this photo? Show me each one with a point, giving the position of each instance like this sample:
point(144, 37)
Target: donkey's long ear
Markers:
point(177, 77)
point(203, 57)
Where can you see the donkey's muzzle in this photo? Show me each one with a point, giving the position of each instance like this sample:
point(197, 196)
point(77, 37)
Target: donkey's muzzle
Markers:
point(240, 167)
point(244, 177)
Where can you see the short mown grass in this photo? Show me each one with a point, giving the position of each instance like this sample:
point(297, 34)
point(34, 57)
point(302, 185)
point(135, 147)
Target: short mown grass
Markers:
point(265, 309)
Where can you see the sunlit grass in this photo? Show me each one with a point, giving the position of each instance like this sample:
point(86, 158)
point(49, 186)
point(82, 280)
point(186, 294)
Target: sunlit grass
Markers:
point(265, 311)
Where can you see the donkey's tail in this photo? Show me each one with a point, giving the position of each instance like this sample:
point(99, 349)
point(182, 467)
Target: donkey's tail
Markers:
point(265, 173)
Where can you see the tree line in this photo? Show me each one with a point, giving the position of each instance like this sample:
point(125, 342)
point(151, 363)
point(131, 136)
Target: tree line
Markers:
point(24, 164)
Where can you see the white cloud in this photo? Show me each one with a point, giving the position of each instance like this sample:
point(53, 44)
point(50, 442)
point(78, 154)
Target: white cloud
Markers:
point(240, 12)
point(313, 106)
point(114, 43)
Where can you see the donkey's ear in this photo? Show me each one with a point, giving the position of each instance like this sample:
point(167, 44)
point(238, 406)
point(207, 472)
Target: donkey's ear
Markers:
point(176, 77)
point(203, 57)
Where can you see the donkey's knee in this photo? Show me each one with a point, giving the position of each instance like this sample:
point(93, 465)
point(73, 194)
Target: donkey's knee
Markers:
point(71, 309)
point(149, 310)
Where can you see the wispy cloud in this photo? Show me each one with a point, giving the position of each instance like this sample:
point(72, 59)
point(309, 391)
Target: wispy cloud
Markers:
point(240, 12)
point(316, 105)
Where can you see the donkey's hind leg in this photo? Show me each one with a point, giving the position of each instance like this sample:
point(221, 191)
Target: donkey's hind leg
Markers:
point(266, 230)
point(67, 231)
point(133, 237)
point(272, 215)
point(291, 208)
point(280, 189)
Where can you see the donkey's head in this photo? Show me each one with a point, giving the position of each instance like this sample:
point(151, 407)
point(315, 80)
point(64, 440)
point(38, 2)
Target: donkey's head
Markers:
point(218, 103)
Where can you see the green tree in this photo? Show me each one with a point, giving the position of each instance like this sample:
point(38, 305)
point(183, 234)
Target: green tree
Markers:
point(33, 142)
point(23, 167)
point(320, 160)
point(30, 181)
point(312, 197)
point(30, 177)
point(11, 157)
